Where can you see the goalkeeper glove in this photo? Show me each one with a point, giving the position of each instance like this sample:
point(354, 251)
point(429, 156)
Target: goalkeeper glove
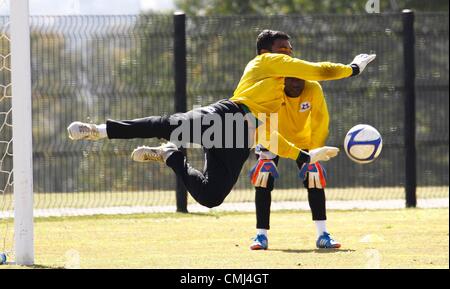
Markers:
point(265, 166)
point(260, 173)
point(314, 174)
point(317, 155)
point(360, 62)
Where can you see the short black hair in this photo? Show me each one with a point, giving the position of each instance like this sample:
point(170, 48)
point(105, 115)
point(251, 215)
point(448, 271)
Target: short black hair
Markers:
point(267, 37)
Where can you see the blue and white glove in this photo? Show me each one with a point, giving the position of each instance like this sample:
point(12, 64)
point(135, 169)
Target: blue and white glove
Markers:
point(264, 167)
point(315, 175)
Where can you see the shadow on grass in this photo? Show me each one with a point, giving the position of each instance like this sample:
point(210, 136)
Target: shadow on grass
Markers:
point(320, 251)
point(35, 266)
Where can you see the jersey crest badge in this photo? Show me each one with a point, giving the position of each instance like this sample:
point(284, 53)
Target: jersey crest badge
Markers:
point(304, 106)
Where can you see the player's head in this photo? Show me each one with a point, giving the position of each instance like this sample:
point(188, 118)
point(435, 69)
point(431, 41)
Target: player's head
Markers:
point(271, 41)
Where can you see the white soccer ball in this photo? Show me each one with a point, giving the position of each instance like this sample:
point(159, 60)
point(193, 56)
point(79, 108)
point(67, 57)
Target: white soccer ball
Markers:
point(363, 143)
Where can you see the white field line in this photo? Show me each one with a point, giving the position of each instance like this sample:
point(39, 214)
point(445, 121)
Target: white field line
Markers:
point(235, 207)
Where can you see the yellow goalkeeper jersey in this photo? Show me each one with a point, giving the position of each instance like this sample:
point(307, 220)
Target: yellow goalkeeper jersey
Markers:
point(304, 120)
point(261, 89)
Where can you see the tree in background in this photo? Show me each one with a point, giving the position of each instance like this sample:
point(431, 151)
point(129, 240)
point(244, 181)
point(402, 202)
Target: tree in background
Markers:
point(283, 7)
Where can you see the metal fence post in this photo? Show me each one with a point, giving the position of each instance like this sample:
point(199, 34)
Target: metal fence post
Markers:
point(410, 108)
point(179, 20)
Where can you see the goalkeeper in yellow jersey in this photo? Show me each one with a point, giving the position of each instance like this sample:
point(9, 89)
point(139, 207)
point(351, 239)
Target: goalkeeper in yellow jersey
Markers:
point(305, 107)
point(227, 143)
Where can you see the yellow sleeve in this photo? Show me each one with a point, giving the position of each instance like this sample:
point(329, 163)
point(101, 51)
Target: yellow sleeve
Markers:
point(280, 146)
point(320, 119)
point(280, 65)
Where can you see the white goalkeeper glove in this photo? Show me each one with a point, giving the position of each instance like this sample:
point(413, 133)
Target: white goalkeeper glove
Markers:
point(322, 154)
point(361, 62)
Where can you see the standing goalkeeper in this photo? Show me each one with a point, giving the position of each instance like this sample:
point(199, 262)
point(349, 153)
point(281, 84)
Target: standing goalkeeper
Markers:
point(306, 107)
point(260, 90)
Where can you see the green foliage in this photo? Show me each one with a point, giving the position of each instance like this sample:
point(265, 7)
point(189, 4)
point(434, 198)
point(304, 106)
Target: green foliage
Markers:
point(286, 7)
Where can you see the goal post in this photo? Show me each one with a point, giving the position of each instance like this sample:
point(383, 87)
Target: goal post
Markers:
point(22, 132)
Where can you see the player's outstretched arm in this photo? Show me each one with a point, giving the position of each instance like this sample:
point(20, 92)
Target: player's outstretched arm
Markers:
point(280, 146)
point(279, 65)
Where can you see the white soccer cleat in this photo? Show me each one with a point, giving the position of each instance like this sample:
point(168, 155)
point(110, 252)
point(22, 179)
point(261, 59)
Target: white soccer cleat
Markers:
point(153, 154)
point(83, 131)
point(322, 154)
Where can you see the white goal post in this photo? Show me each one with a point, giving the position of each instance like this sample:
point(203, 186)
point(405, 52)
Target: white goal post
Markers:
point(22, 132)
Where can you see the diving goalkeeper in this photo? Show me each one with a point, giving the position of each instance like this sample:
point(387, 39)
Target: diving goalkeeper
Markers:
point(260, 91)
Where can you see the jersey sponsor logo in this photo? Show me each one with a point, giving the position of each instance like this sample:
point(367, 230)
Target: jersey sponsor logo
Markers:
point(304, 106)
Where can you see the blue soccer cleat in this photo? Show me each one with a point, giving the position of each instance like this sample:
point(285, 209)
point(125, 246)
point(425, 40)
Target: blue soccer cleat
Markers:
point(326, 242)
point(260, 242)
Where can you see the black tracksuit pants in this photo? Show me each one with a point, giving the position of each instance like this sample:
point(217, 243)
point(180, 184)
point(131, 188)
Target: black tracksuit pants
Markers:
point(222, 165)
point(263, 200)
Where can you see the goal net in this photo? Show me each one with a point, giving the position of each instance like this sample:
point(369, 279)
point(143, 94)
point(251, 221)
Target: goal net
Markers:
point(6, 180)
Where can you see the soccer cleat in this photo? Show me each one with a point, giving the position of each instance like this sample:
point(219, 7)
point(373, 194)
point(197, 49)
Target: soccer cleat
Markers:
point(156, 154)
point(260, 242)
point(326, 242)
point(83, 131)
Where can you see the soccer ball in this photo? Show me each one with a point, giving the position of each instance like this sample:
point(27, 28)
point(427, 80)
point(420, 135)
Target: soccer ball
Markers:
point(363, 143)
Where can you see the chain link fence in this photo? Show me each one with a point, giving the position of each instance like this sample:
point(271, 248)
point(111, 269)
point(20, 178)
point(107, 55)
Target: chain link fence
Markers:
point(91, 68)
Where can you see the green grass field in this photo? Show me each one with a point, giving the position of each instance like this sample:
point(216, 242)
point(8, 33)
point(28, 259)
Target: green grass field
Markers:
point(407, 238)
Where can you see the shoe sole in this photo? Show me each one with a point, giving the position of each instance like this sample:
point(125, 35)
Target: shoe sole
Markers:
point(257, 247)
point(145, 160)
point(335, 247)
point(87, 137)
